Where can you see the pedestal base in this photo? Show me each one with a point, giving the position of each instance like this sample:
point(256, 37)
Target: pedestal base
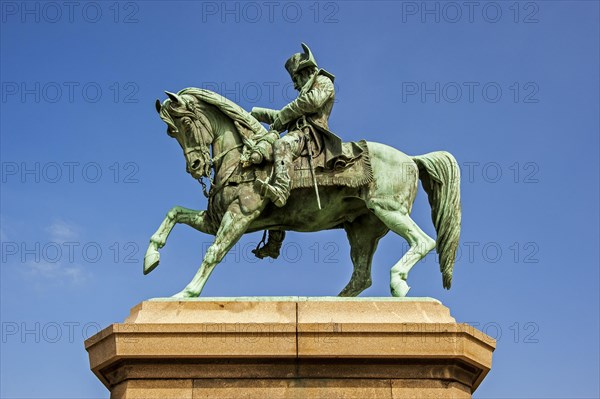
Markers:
point(290, 348)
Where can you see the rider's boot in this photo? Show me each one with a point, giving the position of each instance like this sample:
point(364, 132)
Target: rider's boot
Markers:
point(273, 246)
point(279, 191)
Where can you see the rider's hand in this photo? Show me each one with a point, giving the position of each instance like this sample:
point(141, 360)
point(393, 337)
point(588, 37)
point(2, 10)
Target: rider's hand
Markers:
point(277, 125)
point(256, 157)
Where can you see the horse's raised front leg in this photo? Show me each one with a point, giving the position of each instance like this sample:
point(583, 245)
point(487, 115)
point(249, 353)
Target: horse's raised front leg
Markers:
point(178, 214)
point(233, 226)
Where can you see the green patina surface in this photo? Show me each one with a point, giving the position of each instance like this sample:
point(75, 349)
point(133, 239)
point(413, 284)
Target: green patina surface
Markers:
point(250, 170)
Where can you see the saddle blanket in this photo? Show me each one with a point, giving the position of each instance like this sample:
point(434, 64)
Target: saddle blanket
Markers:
point(353, 169)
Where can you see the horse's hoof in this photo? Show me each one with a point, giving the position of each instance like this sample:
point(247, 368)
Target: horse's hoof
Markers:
point(151, 259)
point(346, 293)
point(180, 295)
point(400, 289)
point(185, 294)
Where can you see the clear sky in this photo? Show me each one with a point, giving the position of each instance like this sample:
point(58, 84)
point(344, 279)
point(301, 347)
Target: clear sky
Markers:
point(511, 89)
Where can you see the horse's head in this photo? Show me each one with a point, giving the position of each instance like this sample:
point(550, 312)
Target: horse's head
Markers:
point(185, 122)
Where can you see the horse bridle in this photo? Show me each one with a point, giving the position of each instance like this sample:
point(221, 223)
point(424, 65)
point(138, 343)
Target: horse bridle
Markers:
point(203, 148)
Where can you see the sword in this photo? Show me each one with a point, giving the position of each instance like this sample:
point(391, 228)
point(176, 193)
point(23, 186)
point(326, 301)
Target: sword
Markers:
point(312, 172)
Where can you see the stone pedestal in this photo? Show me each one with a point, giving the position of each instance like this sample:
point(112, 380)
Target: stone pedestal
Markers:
point(292, 347)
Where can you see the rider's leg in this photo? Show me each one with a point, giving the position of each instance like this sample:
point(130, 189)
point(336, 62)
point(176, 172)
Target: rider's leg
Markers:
point(285, 150)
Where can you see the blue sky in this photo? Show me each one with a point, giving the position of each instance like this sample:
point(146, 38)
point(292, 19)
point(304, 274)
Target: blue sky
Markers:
point(511, 89)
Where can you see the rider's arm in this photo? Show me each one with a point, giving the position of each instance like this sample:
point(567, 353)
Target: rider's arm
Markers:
point(309, 102)
point(264, 115)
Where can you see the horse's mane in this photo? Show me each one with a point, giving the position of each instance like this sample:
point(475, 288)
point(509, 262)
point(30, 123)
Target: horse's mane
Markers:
point(228, 107)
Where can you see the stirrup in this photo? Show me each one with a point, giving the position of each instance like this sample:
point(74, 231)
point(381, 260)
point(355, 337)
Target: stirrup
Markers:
point(266, 251)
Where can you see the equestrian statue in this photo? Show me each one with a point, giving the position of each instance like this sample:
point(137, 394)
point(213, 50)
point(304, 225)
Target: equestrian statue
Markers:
point(304, 180)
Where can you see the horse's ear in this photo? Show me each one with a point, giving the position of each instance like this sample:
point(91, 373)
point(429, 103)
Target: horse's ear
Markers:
point(157, 104)
point(174, 97)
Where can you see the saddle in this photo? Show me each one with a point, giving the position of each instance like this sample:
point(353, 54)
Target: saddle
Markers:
point(351, 167)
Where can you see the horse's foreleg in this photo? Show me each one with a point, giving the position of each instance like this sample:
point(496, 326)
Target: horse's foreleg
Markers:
point(178, 214)
point(233, 226)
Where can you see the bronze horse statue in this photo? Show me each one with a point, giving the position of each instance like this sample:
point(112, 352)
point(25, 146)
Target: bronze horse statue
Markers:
point(212, 132)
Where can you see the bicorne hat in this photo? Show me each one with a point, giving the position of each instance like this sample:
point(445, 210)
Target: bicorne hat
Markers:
point(299, 61)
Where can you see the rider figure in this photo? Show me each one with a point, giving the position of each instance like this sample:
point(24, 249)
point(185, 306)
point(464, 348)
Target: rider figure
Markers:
point(309, 113)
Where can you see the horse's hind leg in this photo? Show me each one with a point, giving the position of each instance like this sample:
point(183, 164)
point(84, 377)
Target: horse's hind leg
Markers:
point(420, 245)
point(364, 234)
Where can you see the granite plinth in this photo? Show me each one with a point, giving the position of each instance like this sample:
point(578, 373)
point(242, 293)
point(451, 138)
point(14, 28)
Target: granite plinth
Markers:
point(291, 347)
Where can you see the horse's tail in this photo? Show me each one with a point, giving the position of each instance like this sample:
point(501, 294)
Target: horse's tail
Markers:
point(440, 176)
